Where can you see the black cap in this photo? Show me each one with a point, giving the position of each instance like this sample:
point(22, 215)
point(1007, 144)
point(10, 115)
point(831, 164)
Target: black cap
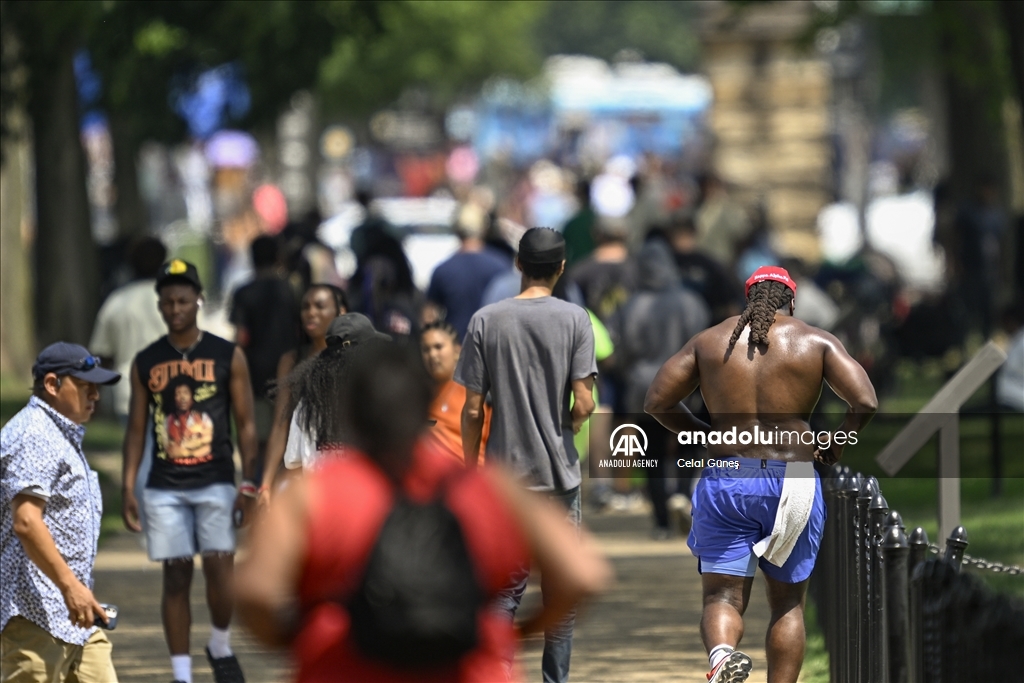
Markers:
point(63, 359)
point(177, 271)
point(540, 246)
point(352, 328)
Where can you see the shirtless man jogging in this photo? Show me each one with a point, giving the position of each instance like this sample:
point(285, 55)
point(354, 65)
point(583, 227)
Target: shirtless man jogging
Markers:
point(763, 369)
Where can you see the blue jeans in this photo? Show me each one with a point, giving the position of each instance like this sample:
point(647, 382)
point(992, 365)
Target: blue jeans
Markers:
point(557, 639)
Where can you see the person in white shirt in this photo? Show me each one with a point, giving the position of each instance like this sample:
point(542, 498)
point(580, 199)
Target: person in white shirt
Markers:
point(129, 320)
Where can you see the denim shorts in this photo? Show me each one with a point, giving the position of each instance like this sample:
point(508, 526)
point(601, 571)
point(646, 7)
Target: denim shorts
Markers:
point(180, 523)
point(735, 508)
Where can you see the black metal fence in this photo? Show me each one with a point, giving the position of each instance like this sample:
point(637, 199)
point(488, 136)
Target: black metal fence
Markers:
point(892, 615)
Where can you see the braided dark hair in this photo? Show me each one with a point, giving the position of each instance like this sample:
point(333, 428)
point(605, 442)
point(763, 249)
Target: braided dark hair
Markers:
point(319, 384)
point(339, 295)
point(442, 326)
point(763, 300)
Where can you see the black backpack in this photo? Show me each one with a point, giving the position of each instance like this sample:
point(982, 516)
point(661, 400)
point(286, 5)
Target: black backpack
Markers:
point(418, 602)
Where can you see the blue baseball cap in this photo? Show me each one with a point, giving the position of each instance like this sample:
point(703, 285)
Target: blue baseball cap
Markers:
point(63, 358)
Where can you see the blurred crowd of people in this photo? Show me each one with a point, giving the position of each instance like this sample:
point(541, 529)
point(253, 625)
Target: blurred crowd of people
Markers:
point(520, 336)
point(654, 253)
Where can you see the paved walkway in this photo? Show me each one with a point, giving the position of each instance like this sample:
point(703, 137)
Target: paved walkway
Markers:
point(643, 629)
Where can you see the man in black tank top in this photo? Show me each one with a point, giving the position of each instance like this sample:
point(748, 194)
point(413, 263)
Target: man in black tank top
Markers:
point(186, 386)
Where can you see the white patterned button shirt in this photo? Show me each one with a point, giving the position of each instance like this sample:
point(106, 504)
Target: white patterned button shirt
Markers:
point(41, 454)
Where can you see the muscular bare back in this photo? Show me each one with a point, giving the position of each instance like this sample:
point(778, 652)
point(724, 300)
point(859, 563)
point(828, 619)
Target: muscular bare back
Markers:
point(781, 378)
point(773, 386)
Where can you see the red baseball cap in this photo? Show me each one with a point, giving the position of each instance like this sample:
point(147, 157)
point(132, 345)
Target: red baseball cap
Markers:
point(773, 273)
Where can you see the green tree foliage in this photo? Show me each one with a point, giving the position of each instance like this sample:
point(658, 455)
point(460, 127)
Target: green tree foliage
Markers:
point(447, 48)
point(280, 45)
point(359, 54)
point(661, 31)
point(141, 48)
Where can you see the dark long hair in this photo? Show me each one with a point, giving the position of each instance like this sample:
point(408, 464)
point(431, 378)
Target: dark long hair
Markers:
point(317, 383)
point(763, 300)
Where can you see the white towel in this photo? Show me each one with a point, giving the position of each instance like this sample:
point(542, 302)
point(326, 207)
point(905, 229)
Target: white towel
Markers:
point(795, 505)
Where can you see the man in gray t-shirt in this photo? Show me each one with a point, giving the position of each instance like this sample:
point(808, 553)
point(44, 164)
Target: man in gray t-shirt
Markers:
point(530, 353)
point(526, 352)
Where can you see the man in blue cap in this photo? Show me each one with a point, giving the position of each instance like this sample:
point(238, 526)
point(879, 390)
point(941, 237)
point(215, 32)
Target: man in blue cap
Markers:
point(50, 509)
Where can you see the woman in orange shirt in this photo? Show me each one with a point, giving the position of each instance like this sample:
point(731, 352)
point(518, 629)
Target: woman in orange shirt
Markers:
point(440, 345)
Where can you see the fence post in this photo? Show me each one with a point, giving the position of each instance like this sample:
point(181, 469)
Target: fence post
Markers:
point(847, 581)
point(829, 556)
point(956, 544)
point(918, 554)
point(918, 549)
point(878, 657)
point(863, 568)
point(896, 550)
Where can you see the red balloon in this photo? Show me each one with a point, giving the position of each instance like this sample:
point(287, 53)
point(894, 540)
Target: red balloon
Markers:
point(271, 207)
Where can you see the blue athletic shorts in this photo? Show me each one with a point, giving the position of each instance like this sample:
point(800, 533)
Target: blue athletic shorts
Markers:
point(735, 508)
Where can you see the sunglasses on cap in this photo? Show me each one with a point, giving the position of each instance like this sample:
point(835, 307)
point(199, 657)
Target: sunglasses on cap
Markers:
point(87, 363)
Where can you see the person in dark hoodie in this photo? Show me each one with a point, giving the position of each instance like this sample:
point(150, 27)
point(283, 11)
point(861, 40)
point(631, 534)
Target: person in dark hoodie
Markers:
point(655, 322)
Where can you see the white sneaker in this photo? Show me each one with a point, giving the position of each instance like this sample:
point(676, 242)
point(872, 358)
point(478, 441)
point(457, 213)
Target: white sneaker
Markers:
point(733, 669)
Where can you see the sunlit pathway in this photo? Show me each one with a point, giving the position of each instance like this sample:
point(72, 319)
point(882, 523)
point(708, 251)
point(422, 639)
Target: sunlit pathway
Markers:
point(644, 629)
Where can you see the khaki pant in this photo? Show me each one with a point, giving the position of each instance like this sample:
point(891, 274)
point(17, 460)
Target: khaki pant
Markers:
point(28, 654)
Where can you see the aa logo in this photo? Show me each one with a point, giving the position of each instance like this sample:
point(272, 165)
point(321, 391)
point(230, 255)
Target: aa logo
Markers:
point(627, 444)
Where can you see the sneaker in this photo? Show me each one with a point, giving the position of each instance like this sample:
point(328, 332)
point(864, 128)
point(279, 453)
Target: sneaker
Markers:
point(601, 498)
point(733, 669)
point(619, 502)
point(680, 509)
point(225, 669)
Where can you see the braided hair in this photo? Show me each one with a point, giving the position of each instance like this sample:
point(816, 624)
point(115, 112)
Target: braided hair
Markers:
point(763, 300)
point(442, 326)
point(337, 293)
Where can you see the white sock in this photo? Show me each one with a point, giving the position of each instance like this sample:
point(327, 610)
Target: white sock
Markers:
point(181, 665)
point(718, 653)
point(220, 642)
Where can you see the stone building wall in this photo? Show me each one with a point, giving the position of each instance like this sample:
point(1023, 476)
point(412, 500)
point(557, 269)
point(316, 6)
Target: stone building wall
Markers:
point(771, 116)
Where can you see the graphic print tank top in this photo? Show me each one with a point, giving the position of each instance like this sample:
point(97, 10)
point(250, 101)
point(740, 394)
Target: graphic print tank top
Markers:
point(189, 412)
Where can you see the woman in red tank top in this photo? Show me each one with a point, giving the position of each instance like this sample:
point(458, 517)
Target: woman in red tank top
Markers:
point(313, 546)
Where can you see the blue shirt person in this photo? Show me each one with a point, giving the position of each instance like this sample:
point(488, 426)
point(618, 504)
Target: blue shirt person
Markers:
point(457, 285)
point(50, 524)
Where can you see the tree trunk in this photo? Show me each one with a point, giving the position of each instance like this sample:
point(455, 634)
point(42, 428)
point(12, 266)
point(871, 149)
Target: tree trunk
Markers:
point(67, 276)
point(132, 219)
point(1013, 22)
point(977, 144)
point(17, 346)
